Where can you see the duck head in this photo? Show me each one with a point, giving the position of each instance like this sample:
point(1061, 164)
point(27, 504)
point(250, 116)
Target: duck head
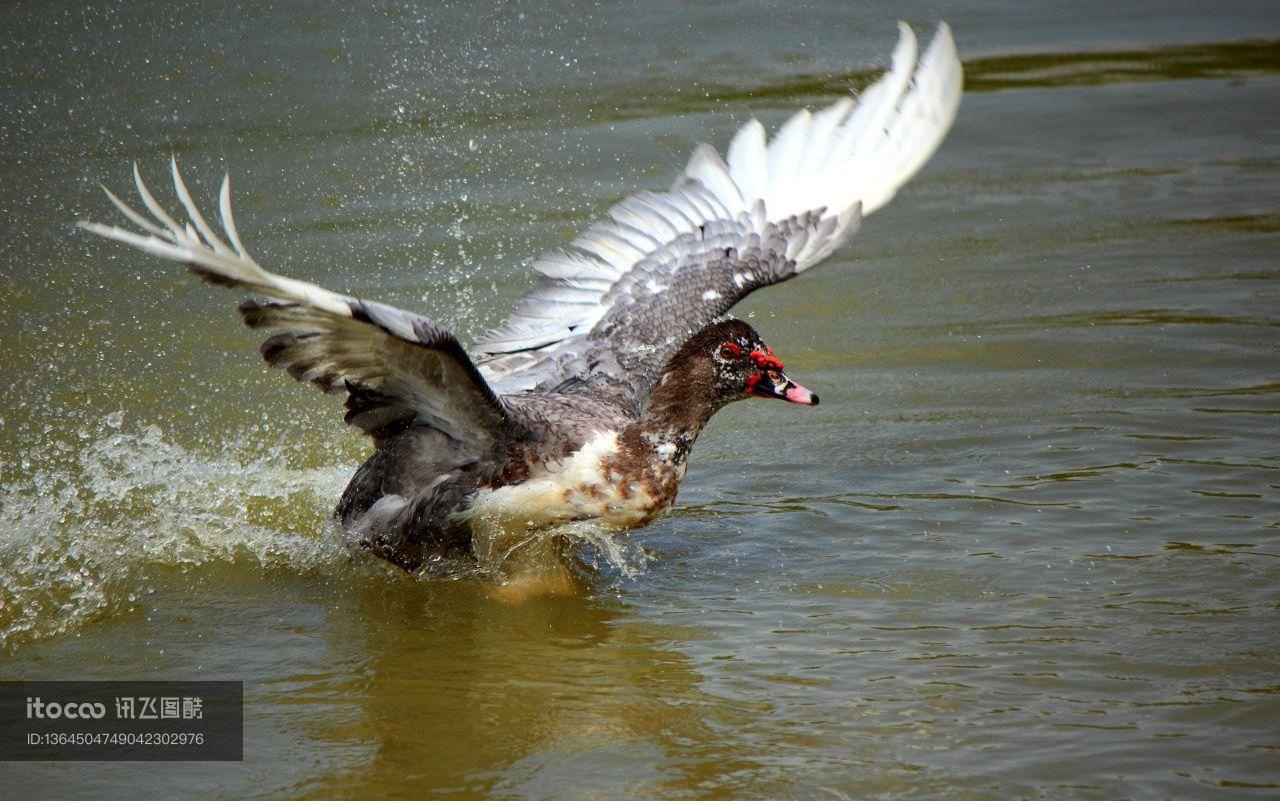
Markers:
point(746, 367)
point(728, 361)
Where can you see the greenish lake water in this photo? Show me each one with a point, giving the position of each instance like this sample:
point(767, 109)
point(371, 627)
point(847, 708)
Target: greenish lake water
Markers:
point(1027, 547)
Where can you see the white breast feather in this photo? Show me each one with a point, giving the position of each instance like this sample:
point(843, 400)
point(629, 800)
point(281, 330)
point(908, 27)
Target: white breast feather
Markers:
point(574, 489)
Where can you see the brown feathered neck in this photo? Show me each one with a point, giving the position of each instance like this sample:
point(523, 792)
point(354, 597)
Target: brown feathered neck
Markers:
point(688, 392)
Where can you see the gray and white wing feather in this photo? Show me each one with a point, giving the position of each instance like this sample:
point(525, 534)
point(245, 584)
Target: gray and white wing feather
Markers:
point(615, 304)
point(394, 366)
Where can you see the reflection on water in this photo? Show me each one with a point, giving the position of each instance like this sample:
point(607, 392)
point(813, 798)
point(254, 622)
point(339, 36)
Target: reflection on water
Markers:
point(510, 700)
point(1033, 70)
point(1027, 547)
point(1184, 62)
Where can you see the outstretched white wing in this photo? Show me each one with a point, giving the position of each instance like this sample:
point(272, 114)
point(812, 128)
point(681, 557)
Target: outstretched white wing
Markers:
point(619, 301)
point(394, 366)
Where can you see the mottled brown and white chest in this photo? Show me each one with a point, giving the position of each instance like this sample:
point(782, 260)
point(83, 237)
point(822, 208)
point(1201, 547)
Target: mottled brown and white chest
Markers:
point(620, 481)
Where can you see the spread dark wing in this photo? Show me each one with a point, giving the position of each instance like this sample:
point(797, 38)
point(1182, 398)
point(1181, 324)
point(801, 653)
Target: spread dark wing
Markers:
point(623, 297)
point(395, 367)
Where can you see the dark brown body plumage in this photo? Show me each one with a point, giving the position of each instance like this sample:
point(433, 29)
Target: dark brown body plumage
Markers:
point(432, 478)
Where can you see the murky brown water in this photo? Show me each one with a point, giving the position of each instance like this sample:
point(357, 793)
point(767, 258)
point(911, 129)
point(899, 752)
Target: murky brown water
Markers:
point(1029, 545)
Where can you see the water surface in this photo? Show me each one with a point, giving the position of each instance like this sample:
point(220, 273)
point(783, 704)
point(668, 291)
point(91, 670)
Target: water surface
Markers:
point(1027, 547)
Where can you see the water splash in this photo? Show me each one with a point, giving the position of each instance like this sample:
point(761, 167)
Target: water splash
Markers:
point(84, 534)
point(615, 549)
point(87, 534)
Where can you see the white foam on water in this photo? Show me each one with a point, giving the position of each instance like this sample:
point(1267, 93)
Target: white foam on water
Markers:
point(82, 534)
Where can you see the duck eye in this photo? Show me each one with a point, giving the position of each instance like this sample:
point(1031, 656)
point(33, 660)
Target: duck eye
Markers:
point(729, 351)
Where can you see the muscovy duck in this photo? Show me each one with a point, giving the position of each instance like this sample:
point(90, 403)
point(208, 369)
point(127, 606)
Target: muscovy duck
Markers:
point(585, 404)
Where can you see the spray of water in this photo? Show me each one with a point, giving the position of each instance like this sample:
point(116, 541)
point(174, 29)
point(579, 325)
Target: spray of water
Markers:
point(86, 535)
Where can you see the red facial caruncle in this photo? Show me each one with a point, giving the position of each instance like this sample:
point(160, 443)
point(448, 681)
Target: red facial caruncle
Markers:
point(765, 359)
point(770, 382)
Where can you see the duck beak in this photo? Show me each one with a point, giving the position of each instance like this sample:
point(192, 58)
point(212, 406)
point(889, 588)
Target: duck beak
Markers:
point(775, 384)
